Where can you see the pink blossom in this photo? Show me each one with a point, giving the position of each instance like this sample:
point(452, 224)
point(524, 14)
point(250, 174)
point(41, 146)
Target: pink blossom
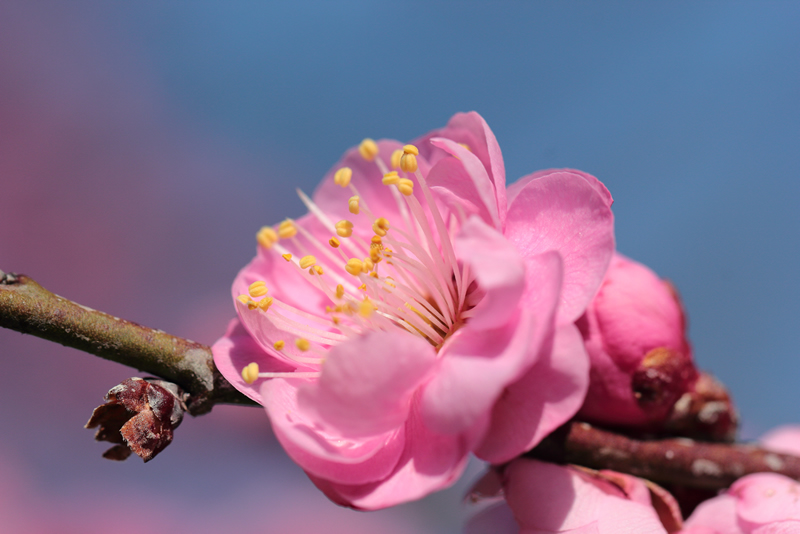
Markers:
point(548, 498)
point(635, 334)
point(761, 503)
point(414, 316)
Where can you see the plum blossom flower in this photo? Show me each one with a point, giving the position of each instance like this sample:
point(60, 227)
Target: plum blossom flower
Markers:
point(635, 333)
point(419, 311)
point(546, 498)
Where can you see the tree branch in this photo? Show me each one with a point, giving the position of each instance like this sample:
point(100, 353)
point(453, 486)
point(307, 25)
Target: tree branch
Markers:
point(678, 461)
point(27, 307)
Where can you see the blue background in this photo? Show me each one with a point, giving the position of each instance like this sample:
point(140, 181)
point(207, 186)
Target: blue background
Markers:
point(143, 144)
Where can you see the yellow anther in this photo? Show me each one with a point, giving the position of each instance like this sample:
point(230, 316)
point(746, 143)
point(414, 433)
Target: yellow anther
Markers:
point(265, 303)
point(376, 241)
point(408, 163)
point(380, 226)
point(252, 305)
point(343, 176)
point(318, 270)
point(352, 205)
point(365, 308)
point(406, 187)
point(335, 320)
point(390, 178)
point(334, 242)
point(368, 265)
point(302, 344)
point(250, 373)
point(258, 289)
point(339, 291)
point(373, 274)
point(344, 228)
point(244, 299)
point(307, 261)
point(267, 237)
point(375, 255)
point(410, 149)
point(368, 149)
point(395, 159)
point(354, 266)
point(279, 344)
point(287, 229)
point(363, 287)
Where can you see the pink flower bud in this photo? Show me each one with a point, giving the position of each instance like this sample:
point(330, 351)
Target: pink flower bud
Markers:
point(635, 334)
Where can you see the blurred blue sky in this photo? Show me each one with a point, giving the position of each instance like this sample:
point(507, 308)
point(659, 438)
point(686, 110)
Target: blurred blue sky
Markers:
point(143, 144)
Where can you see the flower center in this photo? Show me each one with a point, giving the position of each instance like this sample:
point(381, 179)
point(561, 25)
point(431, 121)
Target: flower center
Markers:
point(405, 276)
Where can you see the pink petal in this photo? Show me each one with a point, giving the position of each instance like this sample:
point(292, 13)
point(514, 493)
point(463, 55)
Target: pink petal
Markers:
point(766, 497)
point(520, 184)
point(430, 462)
point(472, 130)
point(714, 516)
point(544, 398)
point(549, 498)
point(477, 364)
point(236, 350)
point(481, 185)
point(498, 269)
point(785, 439)
point(454, 186)
point(320, 450)
point(564, 212)
point(780, 527)
point(367, 383)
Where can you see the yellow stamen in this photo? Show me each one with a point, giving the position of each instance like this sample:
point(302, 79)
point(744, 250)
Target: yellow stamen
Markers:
point(390, 178)
point(363, 287)
point(339, 291)
point(250, 373)
point(267, 237)
point(352, 205)
point(334, 242)
point(258, 289)
point(376, 240)
point(344, 228)
point(373, 274)
point(368, 149)
point(408, 163)
point(365, 308)
point(302, 344)
point(380, 226)
point(307, 261)
point(406, 187)
point(335, 320)
point(244, 299)
point(265, 303)
point(368, 265)
point(410, 149)
point(354, 266)
point(286, 229)
point(318, 270)
point(375, 255)
point(343, 176)
point(252, 305)
point(395, 159)
point(279, 344)
point(287, 257)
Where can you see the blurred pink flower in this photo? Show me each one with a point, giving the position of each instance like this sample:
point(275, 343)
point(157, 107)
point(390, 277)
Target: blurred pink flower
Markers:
point(419, 314)
point(763, 503)
point(635, 334)
point(548, 498)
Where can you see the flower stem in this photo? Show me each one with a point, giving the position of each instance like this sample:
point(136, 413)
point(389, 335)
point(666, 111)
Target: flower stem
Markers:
point(27, 307)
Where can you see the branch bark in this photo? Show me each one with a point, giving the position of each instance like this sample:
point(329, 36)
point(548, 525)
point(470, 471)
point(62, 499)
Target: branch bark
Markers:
point(677, 461)
point(27, 307)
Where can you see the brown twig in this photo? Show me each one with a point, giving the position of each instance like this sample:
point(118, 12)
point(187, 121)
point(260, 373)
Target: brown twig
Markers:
point(27, 307)
point(678, 461)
